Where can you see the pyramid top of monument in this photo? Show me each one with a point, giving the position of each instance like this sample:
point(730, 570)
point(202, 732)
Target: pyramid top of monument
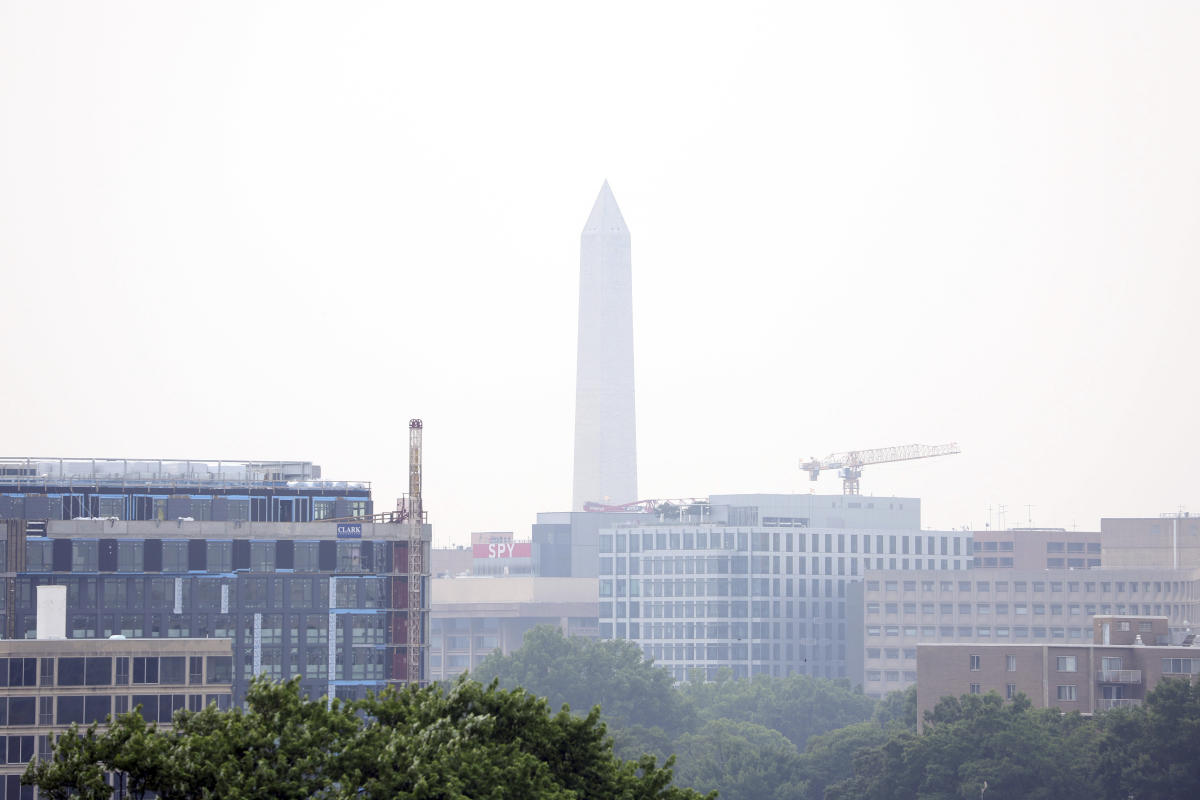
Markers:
point(606, 216)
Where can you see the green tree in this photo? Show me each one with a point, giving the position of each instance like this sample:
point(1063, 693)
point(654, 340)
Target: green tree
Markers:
point(1153, 751)
point(584, 673)
point(452, 743)
point(898, 710)
point(1019, 752)
point(742, 760)
point(830, 756)
point(798, 706)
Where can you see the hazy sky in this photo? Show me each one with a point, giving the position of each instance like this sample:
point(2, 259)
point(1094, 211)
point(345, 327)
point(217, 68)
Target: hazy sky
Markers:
point(280, 230)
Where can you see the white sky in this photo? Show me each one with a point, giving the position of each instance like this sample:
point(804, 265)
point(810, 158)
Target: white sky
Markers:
point(279, 230)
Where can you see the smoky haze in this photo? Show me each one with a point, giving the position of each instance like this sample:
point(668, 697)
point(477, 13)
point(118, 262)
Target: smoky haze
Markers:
point(259, 230)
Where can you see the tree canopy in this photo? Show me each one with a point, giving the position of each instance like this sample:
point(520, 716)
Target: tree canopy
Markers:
point(441, 743)
point(584, 673)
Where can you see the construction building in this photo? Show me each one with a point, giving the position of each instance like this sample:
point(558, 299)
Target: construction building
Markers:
point(1126, 658)
point(343, 603)
point(158, 489)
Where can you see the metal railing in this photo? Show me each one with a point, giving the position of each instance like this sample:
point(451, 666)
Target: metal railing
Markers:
point(1109, 703)
point(1119, 676)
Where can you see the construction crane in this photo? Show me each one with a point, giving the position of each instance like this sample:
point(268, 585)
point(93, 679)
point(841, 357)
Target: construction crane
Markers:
point(417, 610)
point(849, 464)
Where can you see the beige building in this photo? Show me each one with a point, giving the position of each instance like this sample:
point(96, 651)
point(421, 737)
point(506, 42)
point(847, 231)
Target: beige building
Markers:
point(1166, 541)
point(474, 616)
point(1036, 548)
point(901, 610)
point(51, 684)
point(1128, 658)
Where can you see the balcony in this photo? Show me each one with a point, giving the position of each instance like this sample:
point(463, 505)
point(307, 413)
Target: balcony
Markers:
point(1109, 703)
point(1119, 676)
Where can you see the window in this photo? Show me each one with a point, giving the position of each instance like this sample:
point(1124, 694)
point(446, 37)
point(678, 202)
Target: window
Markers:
point(976, 688)
point(219, 557)
point(174, 555)
point(1010, 691)
point(1181, 666)
point(85, 556)
point(1010, 663)
point(262, 556)
point(976, 663)
point(1067, 692)
point(1066, 663)
point(145, 670)
point(129, 556)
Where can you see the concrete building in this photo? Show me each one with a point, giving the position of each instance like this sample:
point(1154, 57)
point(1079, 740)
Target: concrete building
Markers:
point(1169, 540)
point(52, 683)
point(901, 610)
point(180, 552)
point(1127, 657)
point(474, 616)
point(1036, 548)
point(754, 599)
point(605, 430)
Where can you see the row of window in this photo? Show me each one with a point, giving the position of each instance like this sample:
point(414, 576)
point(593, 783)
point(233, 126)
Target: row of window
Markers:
point(86, 709)
point(1003, 609)
point(1174, 588)
point(950, 632)
point(200, 555)
point(743, 565)
point(719, 609)
point(108, 671)
point(234, 508)
point(210, 593)
point(766, 541)
point(367, 628)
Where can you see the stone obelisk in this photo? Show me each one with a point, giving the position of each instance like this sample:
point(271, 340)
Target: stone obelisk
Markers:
point(605, 439)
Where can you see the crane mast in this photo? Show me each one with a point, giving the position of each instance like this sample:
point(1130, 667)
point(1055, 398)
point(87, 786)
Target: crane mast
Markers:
point(416, 553)
point(850, 463)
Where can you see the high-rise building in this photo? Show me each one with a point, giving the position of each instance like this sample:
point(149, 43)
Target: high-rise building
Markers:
point(605, 439)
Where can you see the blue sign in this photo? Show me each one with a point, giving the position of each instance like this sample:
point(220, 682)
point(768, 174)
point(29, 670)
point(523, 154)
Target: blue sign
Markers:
point(349, 530)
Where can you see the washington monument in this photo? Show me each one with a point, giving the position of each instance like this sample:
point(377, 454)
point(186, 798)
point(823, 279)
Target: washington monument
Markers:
point(605, 438)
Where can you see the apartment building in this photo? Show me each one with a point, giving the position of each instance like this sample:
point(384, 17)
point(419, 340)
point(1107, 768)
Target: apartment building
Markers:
point(1128, 657)
point(900, 610)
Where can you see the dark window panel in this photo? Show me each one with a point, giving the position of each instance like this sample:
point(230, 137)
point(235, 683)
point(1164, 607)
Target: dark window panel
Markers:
point(285, 554)
point(197, 555)
point(368, 556)
point(70, 709)
point(108, 555)
point(153, 555)
point(21, 710)
point(149, 704)
point(327, 556)
point(96, 708)
point(99, 671)
point(241, 554)
point(61, 558)
point(70, 671)
point(171, 670)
